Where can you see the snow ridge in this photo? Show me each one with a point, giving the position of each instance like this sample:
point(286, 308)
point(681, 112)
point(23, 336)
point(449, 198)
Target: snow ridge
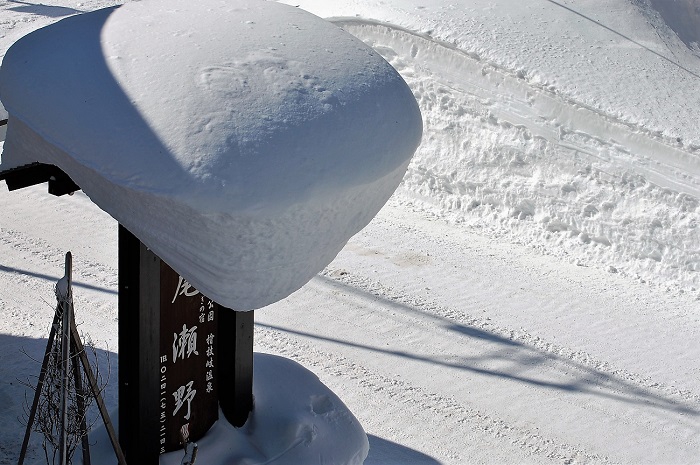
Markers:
point(508, 154)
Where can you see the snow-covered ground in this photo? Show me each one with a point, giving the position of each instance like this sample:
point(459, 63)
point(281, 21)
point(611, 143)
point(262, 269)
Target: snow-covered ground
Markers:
point(531, 294)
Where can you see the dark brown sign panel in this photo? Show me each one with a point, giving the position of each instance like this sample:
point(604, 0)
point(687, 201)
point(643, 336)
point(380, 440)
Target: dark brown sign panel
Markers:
point(171, 360)
point(188, 361)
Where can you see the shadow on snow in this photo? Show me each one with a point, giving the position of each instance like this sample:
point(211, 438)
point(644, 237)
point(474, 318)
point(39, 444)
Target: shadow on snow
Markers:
point(509, 359)
point(384, 452)
point(50, 11)
point(54, 279)
point(21, 363)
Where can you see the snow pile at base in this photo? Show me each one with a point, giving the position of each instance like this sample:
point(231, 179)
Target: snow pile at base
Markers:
point(243, 141)
point(297, 420)
point(573, 128)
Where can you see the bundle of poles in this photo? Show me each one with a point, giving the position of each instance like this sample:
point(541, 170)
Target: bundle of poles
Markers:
point(72, 352)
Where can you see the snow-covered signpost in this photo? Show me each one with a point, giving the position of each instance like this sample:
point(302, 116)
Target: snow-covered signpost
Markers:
point(180, 350)
point(241, 142)
point(171, 352)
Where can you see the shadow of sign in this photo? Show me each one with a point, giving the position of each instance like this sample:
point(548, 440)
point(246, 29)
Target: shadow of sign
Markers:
point(385, 452)
point(50, 11)
point(21, 363)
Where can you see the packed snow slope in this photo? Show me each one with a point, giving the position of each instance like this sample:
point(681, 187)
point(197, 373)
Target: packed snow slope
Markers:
point(530, 295)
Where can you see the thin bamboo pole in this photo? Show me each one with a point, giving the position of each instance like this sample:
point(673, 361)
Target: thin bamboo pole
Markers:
point(66, 303)
point(98, 397)
point(80, 400)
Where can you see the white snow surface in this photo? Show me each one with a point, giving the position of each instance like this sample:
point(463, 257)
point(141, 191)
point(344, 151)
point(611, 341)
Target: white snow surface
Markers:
point(529, 295)
point(570, 127)
point(243, 141)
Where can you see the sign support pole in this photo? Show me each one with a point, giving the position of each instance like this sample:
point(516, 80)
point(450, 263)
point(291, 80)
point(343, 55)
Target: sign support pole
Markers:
point(139, 346)
point(236, 365)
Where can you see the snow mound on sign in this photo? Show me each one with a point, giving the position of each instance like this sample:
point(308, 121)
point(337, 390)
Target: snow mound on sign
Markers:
point(296, 420)
point(243, 141)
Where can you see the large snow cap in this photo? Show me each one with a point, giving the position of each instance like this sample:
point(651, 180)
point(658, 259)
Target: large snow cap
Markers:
point(243, 141)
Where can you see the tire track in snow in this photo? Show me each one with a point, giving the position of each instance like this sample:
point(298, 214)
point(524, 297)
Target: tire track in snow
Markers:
point(37, 254)
point(415, 402)
point(576, 377)
point(451, 263)
point(528, 102)
point(615, 379)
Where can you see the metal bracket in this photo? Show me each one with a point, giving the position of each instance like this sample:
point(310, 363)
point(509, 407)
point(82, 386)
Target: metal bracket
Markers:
point(36, 173)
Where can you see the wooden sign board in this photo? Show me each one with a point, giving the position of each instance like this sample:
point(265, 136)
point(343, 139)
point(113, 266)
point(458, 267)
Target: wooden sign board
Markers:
point(188, 361)
point(174, 369)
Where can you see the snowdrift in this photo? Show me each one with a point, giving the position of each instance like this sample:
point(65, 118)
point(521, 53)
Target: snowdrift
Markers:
point(297, 420)
point(243, 141)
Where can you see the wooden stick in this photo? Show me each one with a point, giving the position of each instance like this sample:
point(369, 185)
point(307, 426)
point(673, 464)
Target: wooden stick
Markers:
point(66, 304)
point(81, 402)
point(98, 396)
point(76, 344)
